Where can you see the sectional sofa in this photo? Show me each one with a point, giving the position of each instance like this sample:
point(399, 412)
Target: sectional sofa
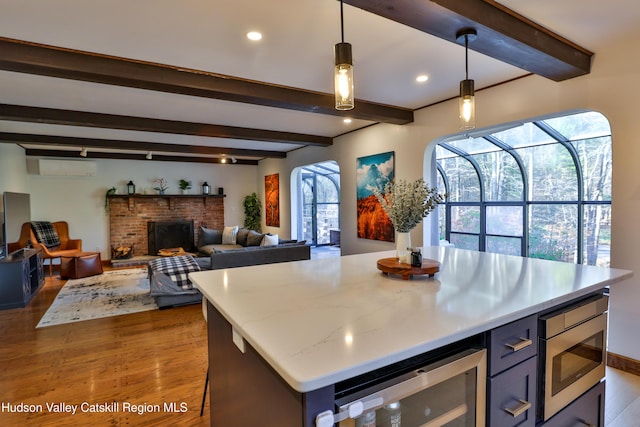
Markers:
point(228, 248)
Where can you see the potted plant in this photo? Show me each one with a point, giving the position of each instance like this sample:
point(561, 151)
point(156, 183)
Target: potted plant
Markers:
point(110, 191)
point(184, 185)
point(162, 185)
point(252, 212)
point(407, 203)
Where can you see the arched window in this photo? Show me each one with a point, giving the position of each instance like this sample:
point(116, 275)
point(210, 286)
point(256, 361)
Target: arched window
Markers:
point(542, 189)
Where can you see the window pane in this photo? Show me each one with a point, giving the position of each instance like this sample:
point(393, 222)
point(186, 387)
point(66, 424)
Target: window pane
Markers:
point(505, 220)
point(307, 223)
point(443, 153)
point(595, 159)
point(502, 177)
point(597, 235)
point(553, 232)
point(442, 221)
point(552, 173)
point(581, 126)
point(524, 136)
point(441, 209)
point(474, 145)
point(328, 218)
point(465, 241)
point(504, 245)
point(463, 180)
point(465, 219)
point(307, 190)
point(327, 190)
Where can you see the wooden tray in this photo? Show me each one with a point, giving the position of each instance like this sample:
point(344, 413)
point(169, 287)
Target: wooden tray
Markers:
point(172, 252)
point(392, 266)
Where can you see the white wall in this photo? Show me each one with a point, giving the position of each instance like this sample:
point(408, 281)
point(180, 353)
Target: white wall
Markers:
point(80, 200)
point(13, 170)
point(607, 89)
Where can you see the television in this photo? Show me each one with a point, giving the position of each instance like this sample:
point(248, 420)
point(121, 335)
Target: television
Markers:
point(17, 211)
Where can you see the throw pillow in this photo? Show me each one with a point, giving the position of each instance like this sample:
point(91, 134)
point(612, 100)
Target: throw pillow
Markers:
point(209, 236)
point(254, 238)
point(241, 237)
point(177, 268)
point(45, 233)
point(229, 235)
point(269, 240)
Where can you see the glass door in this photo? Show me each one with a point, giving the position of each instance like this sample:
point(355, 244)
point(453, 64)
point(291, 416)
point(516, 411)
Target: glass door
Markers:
point(448, 393)
point(320, 203)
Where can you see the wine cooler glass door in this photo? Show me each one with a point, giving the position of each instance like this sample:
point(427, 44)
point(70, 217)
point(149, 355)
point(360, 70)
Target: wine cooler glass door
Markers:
point(448, 393)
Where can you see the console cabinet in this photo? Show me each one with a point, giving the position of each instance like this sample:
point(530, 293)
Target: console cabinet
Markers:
point(21, 277)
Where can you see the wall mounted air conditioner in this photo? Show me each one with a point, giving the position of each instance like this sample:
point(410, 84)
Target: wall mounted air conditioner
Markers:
point(48, 167)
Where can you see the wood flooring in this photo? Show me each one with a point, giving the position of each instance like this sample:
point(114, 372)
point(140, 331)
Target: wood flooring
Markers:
point(140, 361)
point(145, 359)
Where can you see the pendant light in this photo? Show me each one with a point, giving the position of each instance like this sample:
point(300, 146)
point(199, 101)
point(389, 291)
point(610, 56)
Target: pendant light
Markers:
point(467, 104)
point(343, 71)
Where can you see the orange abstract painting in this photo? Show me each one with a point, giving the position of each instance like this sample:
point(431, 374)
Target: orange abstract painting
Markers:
point(272, 199)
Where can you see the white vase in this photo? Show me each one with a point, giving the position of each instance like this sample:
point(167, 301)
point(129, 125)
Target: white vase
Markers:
point(403, 241)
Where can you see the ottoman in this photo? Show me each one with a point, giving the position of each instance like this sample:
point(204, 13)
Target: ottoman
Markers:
point(83, 264)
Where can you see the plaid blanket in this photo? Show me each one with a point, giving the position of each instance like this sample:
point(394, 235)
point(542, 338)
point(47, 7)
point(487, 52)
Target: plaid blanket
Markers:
point(177, 268)
point(45, 233)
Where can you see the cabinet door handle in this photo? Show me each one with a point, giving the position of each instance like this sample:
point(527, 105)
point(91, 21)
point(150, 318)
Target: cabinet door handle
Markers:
point(524, 342)
point(585, 423)
point(519, 409)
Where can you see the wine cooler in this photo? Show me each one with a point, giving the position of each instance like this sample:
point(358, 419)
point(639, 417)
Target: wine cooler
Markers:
point(449, 392)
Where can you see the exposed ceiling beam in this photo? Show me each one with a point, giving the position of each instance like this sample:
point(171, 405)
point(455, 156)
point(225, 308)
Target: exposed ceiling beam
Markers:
point(127, 156)
point(33, 58)
point(502, 33)
point(112, 121)
point(62, 141)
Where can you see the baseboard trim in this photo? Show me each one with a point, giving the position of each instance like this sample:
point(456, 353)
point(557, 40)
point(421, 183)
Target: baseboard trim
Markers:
point(623, 363)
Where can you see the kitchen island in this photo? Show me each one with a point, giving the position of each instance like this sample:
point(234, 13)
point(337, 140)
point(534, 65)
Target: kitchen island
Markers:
point(296, 329)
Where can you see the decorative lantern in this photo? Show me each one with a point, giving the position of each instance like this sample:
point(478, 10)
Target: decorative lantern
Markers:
point(131, 188)
point(205, 188)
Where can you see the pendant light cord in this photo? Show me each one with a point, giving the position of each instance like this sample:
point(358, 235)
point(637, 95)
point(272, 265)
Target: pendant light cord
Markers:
point(466, 56)
point(341, 21)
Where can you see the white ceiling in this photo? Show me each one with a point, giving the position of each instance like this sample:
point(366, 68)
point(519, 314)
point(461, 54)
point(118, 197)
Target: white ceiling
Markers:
point(296, 51)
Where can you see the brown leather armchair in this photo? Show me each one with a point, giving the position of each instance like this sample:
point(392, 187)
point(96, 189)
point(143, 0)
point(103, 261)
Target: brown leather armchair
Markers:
point(68, 247)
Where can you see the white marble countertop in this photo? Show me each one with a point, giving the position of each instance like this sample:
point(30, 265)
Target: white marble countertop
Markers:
point(321, 321)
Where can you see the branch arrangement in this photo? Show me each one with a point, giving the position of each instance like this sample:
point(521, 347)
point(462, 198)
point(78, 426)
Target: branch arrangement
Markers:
point(407, 203)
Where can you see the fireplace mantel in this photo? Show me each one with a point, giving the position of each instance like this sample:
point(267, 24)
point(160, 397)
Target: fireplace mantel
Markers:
point(171, 198)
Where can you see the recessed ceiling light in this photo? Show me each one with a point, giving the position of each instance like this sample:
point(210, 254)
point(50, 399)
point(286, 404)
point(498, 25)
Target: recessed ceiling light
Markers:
point(347, 121)
point(254, 35)
point(422, 78)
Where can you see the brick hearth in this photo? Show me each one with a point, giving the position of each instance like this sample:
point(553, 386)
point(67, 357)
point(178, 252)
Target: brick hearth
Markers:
point(128, 216)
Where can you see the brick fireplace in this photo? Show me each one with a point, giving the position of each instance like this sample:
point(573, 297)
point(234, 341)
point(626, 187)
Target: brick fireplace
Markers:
point(128, 216)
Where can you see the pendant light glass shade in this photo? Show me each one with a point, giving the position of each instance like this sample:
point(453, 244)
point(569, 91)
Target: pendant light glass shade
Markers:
point(467, 105)
point(343, 77)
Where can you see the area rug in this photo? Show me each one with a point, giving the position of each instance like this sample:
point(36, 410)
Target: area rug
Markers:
point(112, 293)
